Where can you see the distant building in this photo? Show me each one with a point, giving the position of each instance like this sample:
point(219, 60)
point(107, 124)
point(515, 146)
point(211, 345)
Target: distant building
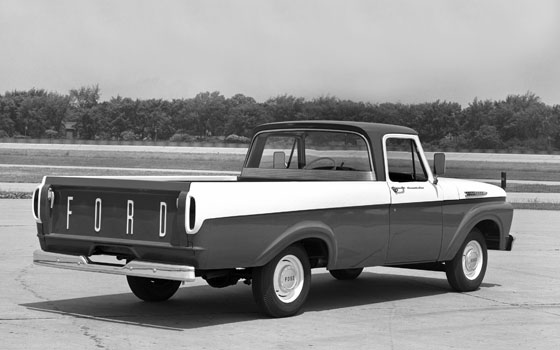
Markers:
point(70, 130)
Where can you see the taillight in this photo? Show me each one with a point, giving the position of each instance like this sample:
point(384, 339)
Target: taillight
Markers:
point(190, 214)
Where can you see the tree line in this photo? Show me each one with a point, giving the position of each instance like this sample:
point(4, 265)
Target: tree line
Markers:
point(519, 122)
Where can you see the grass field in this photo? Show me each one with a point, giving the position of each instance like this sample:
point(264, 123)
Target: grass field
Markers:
point(155, 162)
point(144, 163)
point(148, 162)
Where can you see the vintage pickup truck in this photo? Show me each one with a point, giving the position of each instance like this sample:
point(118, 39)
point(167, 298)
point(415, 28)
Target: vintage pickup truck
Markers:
point(311, 194)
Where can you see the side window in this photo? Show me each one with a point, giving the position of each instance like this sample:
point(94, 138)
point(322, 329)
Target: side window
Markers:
point(403, 161)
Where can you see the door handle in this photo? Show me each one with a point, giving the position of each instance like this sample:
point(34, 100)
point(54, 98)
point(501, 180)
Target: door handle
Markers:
point(398, 189)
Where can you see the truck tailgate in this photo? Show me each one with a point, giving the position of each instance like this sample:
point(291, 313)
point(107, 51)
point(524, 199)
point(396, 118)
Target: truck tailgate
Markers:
point(110, 214)
point(147, 216)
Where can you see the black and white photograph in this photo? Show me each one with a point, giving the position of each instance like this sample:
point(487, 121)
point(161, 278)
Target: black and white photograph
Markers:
point(267, 174)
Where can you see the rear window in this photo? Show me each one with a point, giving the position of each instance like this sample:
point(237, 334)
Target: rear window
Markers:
point(310, 150)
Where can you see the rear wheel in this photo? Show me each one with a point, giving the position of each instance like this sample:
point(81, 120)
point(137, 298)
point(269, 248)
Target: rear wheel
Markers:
point(281, 286)
point(467, 269)
point(346, 274)
point(152, 289)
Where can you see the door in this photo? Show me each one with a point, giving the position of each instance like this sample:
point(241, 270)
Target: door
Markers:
point(416, 203)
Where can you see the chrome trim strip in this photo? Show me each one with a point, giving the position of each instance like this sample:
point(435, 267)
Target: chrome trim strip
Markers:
point(37, 192)
point(475, 193)
point(134, 268)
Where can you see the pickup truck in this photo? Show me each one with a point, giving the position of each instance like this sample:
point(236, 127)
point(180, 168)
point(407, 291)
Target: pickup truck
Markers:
point(311, 194)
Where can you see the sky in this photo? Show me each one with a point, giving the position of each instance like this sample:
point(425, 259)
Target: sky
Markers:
point(375, 51)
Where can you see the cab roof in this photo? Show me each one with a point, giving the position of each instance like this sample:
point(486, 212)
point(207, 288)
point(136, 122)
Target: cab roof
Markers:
point(375, 131)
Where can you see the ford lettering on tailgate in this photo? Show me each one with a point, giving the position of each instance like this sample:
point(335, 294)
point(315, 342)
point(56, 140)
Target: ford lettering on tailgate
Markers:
point(139, 216)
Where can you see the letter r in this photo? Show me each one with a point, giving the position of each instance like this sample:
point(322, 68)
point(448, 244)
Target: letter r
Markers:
point(129, 217)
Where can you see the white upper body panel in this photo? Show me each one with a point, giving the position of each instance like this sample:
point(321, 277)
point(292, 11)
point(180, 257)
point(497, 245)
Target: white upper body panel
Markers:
point(223, 199)
point(454, 189)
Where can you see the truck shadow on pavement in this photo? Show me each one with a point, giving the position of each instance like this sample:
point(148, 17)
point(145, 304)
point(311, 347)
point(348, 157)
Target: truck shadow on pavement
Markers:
point(203, 306)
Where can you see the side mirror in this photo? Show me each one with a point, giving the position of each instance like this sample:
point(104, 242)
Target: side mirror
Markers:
point(439, 164)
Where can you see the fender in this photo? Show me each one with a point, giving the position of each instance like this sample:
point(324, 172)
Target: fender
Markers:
point(499, 212)
point(300, 231)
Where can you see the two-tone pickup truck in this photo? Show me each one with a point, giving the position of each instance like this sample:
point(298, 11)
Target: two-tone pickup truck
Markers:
point(313, 194)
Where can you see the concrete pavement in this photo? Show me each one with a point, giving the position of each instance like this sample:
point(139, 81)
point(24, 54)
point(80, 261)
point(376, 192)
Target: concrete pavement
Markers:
point(517, 307)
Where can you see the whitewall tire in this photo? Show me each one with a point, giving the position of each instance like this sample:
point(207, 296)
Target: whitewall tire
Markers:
point(467, 269)
point(280, 287)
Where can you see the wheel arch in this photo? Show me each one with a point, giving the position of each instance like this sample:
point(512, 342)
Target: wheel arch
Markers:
point(491, 231)
point(492, 219)
point(317, 238)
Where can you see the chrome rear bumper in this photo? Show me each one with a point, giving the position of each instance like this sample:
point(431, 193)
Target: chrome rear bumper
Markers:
point(134, 268)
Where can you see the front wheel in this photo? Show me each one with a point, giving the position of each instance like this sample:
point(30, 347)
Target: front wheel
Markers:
point(281, 286)
point(152, 289)
point(467, 269)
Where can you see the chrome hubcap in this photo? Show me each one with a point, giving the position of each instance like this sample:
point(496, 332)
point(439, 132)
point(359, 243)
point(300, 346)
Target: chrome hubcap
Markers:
point(288, 279)
point(472, 260)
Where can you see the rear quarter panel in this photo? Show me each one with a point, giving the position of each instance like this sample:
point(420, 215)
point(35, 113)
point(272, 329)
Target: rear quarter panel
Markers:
point(248, 224)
